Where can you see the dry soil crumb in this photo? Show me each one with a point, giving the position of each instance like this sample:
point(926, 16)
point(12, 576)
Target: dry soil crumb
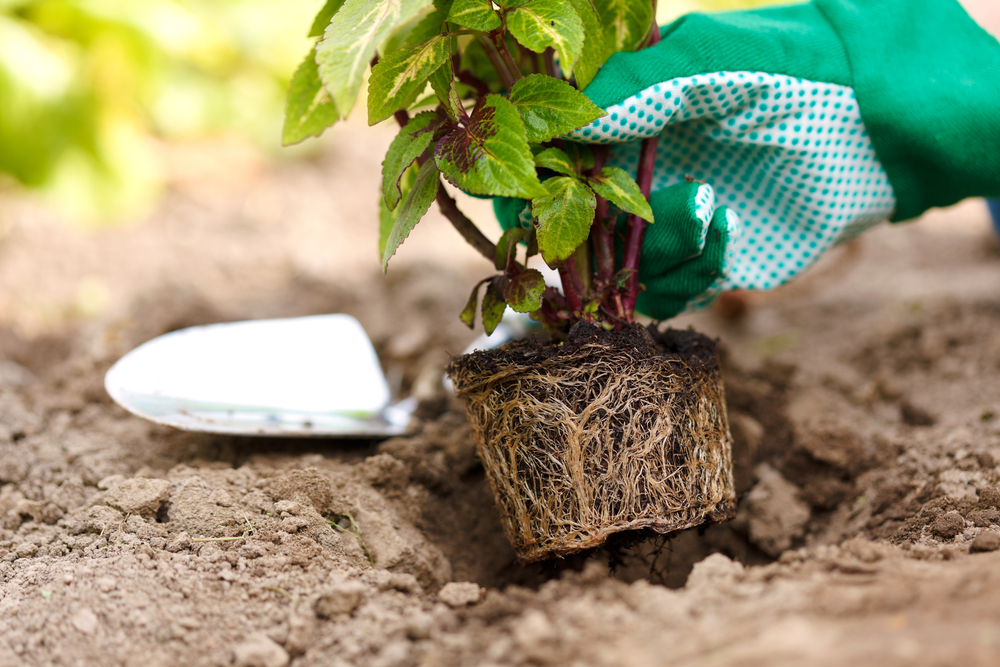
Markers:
point(460, 594)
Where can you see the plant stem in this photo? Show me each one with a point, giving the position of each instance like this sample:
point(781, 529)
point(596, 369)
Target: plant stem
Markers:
point(550, 63)
point(465, 227)
point(584, 263)
point(637, 226)
point(571, 284)
point(497, 61)
point(511, 64)
point(654, 30)
point(402, 118)
point(602, 233)
point(468, 79)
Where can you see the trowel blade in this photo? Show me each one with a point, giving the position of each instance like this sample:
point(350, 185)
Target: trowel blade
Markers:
point(298, 377)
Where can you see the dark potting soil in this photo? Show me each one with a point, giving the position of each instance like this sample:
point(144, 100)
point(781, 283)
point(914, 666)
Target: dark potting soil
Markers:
point(687, 346)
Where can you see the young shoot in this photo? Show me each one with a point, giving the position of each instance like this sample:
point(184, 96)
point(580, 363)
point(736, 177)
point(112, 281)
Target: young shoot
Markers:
point(485, 93)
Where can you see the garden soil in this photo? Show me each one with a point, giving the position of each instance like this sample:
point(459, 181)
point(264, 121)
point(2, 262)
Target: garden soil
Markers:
point(863, 400)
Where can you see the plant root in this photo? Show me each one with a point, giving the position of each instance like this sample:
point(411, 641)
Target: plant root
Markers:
point(604, 433)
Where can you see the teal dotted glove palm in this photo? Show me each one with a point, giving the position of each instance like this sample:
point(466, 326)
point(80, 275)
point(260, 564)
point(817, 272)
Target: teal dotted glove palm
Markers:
point(807, 124)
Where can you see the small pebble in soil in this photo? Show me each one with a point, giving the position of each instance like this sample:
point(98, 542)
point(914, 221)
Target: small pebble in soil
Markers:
point(139, 495)
point(987, 540)
point(340, 599)
point(84, 620)
point(460, 593)
point(179, 542)
point(259, 650)
point(914, 415)
point(948, 525)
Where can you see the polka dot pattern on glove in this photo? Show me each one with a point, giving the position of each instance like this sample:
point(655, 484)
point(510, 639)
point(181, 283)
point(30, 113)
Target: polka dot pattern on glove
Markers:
point(790, 157)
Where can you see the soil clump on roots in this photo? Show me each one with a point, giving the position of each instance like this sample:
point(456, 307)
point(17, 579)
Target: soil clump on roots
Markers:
point(602, 433)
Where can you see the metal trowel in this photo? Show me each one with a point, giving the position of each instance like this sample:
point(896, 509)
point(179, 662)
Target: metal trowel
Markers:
point(313, 376)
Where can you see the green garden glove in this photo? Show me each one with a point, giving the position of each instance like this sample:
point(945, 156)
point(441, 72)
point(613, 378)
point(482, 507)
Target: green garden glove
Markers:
point(807, 123)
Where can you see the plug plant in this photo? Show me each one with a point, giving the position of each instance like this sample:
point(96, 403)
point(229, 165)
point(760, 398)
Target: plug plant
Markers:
point(485, 93)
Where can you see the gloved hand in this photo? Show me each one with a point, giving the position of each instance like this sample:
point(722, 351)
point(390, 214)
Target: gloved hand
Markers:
point(810, 122)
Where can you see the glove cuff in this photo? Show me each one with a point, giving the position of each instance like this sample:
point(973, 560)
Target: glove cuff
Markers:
point(927, 79)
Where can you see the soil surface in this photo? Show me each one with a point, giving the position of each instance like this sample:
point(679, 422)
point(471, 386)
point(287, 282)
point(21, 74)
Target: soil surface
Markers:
point(863, 401)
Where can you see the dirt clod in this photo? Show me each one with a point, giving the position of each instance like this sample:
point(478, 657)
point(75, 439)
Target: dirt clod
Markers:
point(340, 599)
point(259, 650)
point(948, 525)
point(309, 486)
point(914, 415)
point(775, 512)
point(460, 593)
point(138, 496)
point(84, 620)
point(103, 519)
point(988, 540)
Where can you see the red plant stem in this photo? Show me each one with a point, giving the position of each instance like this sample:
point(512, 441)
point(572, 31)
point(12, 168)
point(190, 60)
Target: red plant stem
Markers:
point(654, 30)
point(602, 233)
point(550, 63)
point(465, 227)
point(637, 226)
point(571, 284)
point(466, 77)
point(620, 307)
point(402, 118)
point(604, 245)
point(511, 64)
point(496, 61)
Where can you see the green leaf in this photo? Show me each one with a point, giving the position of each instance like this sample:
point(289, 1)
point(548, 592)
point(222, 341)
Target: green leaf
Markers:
point(494, 304)
point(542, 24)
point(556, 160)
point(429, 26)
point(594, 49)
point(626, 23)
point(386, 220)
point(617, 187)
point(387, 217)
point(408, 145)
point(508, 245)
point(323, 17)
point(350, 40)
point(413, 208)
point(401, 35)
point(550, 107)
point(468, 314)
point(524, 292)
point(446, 91)
point(308, 109)
point(490, 156)
point(399, 77)
point(475, 15)
point(565, 215)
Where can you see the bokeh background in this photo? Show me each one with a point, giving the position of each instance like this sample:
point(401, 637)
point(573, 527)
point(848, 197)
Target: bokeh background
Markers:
point(93, 93)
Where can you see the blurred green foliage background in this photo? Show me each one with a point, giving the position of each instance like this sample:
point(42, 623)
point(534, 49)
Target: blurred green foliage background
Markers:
point(89, 89)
